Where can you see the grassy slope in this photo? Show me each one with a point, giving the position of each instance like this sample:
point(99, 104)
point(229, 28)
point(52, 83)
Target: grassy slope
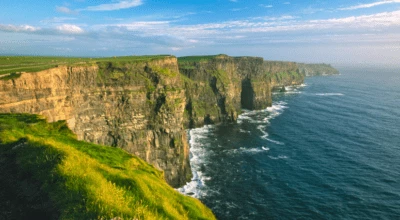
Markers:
point(14, 64)
point(45, 173)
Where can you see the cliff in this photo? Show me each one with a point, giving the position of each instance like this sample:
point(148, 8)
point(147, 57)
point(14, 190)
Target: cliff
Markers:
point(317, 69)
point(144, 105)
point(218, 87)
point(135, 105)
point(283, 74)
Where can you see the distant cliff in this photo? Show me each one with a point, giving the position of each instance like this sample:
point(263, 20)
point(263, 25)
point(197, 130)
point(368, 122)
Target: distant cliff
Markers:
point(144, 106)
point(218, 87)
point(317, 69)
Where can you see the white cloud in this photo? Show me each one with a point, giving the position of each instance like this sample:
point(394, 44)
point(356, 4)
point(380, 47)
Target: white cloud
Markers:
point(172, 35)
point(384, 19)
point(115, 6)
point(65, 10)
point(238, 9)
point(21, 28)
point(280, 18)
point(370, 5)
point(57, 20)
point(266, 6)
point(70, 29)
point(252, 28)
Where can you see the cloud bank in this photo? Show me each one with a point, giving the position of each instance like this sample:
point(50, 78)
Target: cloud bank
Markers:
point(370, 5)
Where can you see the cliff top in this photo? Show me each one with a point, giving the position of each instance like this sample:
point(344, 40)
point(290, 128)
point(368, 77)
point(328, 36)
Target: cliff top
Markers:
point(210, 57)
point(15, 64)
point(199, 58)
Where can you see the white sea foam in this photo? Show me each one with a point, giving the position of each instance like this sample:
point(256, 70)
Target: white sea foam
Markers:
point(262, 129)
point(289, 88)
point(278, 157)
point(244, 131)
point(275, 142)
point(198, 154)
point(301, 85)
point(275, 110)
point(293, 92)
point(244, 150)
point(199, 150)
point(329, 94)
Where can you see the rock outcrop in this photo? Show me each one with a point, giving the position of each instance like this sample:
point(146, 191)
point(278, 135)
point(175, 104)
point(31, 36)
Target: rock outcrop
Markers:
point(144, 107)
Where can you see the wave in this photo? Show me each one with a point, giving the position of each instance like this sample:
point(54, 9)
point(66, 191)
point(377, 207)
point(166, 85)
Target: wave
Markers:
point(301, 85)
point(273, 111)
point(293, 92)
point(244, 150)
point(290, 90)
point(280, 157)
point(197, 156)
point(244, 131)
point(199, 151)
point(275, 142)
point(329, 94)
point(265, 148)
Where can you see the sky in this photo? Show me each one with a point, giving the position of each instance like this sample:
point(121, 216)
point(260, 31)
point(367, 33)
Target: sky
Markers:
point(340, 31)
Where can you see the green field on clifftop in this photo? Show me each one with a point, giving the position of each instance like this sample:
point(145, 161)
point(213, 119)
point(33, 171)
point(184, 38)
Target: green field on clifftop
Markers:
point(45, 173)
point(15, 64)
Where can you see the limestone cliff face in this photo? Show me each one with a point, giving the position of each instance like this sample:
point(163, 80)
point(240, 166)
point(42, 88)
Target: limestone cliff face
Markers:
point(145, 106)
point(214, 87)
point(283, 74)
point(217, 88)
point(137, 106)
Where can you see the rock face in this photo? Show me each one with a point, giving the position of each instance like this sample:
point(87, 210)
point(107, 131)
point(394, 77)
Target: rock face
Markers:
point(283, 74)
point(137, 106)
point(217, 88)
point(144, 107)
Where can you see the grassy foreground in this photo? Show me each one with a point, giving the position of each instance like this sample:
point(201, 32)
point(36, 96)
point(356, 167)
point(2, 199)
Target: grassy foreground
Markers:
point(45, 173)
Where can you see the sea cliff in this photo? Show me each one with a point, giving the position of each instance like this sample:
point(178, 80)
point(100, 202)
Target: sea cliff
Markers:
point(145, 106)
point(317, 69)
point(218, 87)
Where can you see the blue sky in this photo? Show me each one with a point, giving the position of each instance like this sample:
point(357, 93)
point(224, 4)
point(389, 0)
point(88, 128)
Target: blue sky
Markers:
point(364, 31)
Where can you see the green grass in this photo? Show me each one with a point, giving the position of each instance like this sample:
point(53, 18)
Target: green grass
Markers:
point(198, 58)
point(45, 173)
point(288, 76)
point(15, 64)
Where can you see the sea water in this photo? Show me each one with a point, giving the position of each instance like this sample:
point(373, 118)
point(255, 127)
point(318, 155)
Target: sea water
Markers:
point(328, 149)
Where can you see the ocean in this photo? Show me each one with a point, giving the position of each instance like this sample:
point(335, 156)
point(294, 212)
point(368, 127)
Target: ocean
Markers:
point(327, 149)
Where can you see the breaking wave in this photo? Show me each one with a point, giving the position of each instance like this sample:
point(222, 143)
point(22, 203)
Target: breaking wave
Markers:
point(329, 94)
point(198, 155)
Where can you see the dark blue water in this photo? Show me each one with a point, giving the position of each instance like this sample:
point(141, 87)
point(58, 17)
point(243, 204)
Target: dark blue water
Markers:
point(327, 150)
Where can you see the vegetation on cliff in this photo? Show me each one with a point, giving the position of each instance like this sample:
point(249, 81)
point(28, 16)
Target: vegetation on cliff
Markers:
point(317, 69)
point(45, 173)
point(16, 64)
